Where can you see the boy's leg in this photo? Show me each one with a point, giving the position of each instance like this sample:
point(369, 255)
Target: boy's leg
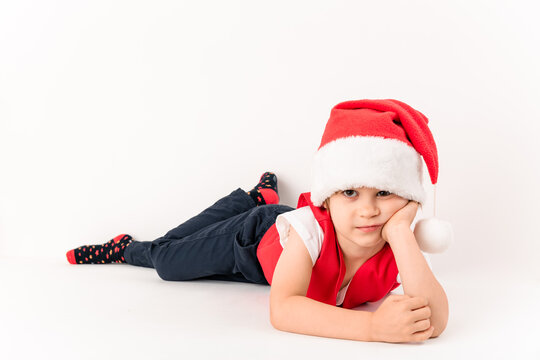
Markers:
point(235, 203)
point(224, 250)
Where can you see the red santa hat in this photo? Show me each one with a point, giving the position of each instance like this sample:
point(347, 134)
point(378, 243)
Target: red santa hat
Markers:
point(379, 144)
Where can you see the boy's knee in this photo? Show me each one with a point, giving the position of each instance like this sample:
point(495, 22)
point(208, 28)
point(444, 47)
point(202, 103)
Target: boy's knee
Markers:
point(163, 275)
point(172, 271)
point(164, 270)
point(168, 275)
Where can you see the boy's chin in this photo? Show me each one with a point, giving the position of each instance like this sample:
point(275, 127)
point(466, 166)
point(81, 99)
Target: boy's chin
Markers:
point(371, 240)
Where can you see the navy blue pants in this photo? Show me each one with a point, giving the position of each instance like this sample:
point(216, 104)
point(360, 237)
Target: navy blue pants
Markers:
point(220, 243)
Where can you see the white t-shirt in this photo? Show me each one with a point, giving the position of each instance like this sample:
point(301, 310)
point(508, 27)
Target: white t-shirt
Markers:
point(312, 235)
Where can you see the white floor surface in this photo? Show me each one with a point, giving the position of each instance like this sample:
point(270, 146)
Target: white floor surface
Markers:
point(52, 310)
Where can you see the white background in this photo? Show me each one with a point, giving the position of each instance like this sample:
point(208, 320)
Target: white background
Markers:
point(132, 116)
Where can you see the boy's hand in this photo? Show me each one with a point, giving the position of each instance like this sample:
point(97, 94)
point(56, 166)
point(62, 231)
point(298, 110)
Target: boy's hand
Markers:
point(403, 219)
point(402, 318)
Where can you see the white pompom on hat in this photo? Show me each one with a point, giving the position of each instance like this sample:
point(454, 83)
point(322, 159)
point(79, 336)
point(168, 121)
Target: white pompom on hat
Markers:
point(380, 144)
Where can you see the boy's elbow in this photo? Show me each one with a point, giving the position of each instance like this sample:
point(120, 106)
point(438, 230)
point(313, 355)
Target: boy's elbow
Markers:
point(275, 317)
point(440, 319)
point(279, 313)
point(439, 329)
point(274, 321)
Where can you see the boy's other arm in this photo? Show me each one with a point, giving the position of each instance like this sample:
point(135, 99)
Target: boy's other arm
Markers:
point(417, 278)
point(398, 319)
point(291, 310)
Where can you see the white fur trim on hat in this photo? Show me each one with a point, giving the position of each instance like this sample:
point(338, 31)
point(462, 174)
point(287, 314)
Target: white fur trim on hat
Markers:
point(367, 161)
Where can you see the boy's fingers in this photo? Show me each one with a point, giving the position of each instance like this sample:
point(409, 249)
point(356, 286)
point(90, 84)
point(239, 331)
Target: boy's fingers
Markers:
point(421, 313)
point(421, 325)
point(417, 302)
point(423, 335)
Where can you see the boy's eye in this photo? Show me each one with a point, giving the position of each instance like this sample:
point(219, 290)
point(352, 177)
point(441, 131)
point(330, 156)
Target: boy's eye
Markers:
point(353, 193)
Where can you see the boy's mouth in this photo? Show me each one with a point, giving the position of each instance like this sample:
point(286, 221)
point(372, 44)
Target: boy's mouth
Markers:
point(369, 228)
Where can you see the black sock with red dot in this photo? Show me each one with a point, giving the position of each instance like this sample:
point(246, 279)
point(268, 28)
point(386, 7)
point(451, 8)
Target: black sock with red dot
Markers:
point(110, 252)
point(266, 191)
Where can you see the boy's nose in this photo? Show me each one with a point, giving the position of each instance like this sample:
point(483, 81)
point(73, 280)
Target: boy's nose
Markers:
point(367, 209)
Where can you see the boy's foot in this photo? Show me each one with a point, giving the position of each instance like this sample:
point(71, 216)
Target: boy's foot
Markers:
point(266, 191)
point(110, 252)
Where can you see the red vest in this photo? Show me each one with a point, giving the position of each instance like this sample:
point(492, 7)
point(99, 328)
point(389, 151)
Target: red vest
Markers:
point(371, 282)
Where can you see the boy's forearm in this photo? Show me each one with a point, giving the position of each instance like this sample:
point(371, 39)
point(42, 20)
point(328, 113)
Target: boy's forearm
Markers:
point(417, 278)
point(303, 315)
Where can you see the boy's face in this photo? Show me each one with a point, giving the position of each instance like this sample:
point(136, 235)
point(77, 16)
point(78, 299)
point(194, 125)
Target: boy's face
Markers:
point(359, 207)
